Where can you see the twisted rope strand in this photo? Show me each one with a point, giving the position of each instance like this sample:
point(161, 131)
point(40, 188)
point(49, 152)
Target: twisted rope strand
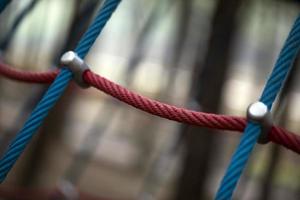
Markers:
point(90, 36)
point(208, 120)
point(29, 77)
point(252, 131)
point(248, 139)
point(35, 120)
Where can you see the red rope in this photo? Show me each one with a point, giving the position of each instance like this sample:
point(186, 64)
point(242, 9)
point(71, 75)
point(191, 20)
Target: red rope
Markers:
point(208, 120)
point(30, 77)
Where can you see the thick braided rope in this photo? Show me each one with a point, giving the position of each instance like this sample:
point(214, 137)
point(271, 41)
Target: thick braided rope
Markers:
point(29, 77)
point(3, 4)
point(252, 131)
point(208, 120)
point(90, 36)
point(35, 120)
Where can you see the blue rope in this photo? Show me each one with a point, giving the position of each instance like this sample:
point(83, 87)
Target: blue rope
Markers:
point(252, 130)
point(3, 4)
point(56, 89)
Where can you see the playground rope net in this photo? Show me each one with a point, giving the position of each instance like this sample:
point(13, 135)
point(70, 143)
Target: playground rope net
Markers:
point(61, 78)
point(223, 122)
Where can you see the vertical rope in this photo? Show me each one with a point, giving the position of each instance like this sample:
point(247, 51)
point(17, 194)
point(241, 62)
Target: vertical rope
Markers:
point(35, 120)
point(252, 131)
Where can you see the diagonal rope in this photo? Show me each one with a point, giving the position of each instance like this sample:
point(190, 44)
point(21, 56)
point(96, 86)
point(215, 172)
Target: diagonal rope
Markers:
point(209, 120)
point(252, 131)
point(239, 159)
point(35, 120)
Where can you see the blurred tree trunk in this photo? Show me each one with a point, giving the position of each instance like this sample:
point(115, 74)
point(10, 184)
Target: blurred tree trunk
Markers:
point(155, 176)
point(207, 91)
point(91, 140)
point(18, 20)
point(138, 52)
point(55, 122)
point(4, 36)
point(7, 135)
point(88, 146)
point(185, 9)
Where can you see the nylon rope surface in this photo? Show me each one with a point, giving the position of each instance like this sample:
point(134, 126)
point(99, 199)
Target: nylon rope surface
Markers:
point(36, 118)
point(252, 131)
point(277, 135)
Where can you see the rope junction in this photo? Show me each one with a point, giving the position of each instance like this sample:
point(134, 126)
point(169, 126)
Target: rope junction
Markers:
point(61, 78)
point(56, 89)
point(252, 131)
point(223, 122)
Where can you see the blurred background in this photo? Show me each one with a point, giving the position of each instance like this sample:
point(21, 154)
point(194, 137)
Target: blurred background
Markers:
point(206, 55)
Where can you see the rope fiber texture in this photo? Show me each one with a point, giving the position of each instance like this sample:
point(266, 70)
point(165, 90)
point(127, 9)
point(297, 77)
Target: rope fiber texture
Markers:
point(62, 77)
point(252, 131)
point(208, 120)
point(29, 77)
point(36, 118)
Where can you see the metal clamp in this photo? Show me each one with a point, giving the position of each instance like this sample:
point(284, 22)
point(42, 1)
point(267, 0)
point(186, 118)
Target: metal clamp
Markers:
point(258, 112)
point(73, 62)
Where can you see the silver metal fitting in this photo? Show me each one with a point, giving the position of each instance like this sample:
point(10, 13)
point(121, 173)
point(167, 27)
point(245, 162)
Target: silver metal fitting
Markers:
point(258, 112)
point(73, 62)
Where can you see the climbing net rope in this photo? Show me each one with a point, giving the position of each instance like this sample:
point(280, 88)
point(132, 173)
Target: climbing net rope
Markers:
point(61, 78)
point(277, 134)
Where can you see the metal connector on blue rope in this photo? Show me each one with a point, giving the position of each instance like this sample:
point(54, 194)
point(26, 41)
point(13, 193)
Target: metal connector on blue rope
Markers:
point(76, 65)
point(56, 89)
point(258, 113)
point(252, 130)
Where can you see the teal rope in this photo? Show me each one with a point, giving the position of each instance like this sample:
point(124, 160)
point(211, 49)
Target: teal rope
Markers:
point(252, 131)
point(35, 120)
